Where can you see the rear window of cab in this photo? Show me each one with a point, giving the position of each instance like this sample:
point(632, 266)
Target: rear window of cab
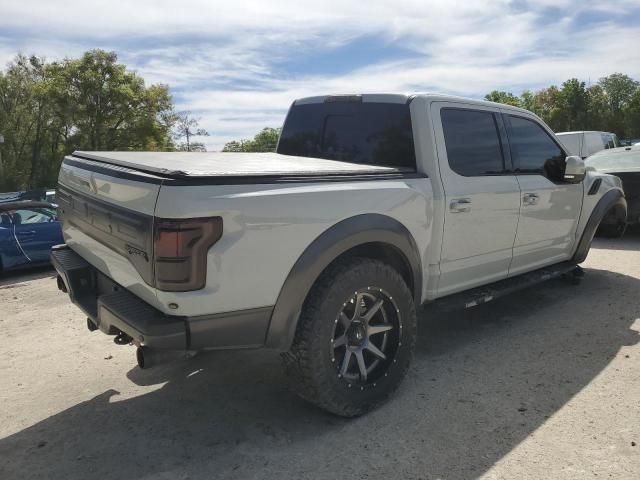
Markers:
point(370, 133)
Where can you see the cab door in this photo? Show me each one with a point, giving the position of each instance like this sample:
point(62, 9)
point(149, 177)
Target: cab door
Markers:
point(550, 206)
point(482, 196)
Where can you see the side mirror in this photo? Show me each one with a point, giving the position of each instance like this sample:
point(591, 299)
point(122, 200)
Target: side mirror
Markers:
point(575, 169)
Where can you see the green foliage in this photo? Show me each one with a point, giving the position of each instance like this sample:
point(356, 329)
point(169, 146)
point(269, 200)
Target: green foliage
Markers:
point(264, 141)
point(503, 97)
point(48, 110)
point(611, 105)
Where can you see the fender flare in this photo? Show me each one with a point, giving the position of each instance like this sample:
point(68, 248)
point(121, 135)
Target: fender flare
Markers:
point(609, 200)
point(333, 242)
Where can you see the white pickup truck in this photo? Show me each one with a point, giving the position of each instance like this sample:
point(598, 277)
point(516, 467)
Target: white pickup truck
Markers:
point(373, 205)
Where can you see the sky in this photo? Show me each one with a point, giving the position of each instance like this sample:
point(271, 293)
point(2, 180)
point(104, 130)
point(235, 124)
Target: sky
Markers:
point(239, 64)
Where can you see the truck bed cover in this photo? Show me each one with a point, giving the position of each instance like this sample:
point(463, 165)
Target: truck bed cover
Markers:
point(231, 164)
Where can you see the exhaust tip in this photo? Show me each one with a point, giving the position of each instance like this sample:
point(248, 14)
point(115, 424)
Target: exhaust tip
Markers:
point(61, 285)
point(91, 326)
point(140, 357)
point(150, 357)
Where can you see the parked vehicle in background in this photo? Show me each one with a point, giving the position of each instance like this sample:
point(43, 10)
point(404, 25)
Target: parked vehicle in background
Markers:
point(587, 143)
point(624, 163)
point(50, 196)
point(372, 206)
point(28, 230)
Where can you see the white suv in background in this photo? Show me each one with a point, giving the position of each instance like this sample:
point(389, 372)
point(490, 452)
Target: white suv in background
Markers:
point(586, 143)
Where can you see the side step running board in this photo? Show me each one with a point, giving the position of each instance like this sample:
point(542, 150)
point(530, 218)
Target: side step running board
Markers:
point(486, 293)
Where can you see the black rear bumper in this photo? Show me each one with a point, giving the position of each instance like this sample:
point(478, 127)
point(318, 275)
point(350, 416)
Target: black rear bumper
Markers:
point(113, 309)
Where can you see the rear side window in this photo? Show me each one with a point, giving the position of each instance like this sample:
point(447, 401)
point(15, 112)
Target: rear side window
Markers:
point(472, 141)
point(351, 131)
point(532, 149)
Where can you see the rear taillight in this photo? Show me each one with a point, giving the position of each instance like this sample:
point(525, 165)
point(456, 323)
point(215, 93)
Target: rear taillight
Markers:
point(180, 251)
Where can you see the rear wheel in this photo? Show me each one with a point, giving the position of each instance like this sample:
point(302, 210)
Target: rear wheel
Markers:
point(355, 337)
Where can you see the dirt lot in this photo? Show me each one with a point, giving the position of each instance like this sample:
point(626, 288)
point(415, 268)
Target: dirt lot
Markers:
point(544, 384)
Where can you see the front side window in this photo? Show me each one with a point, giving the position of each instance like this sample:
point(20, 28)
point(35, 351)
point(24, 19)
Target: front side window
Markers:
point(472, 141)
point(533, 150)
point(30, 216)
point(371, 133)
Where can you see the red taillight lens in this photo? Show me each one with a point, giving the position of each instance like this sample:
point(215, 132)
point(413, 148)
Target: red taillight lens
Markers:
point(180, 251)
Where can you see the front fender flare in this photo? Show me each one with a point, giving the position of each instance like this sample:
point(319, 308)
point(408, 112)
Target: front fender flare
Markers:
point(338, 239)
point(609, 200)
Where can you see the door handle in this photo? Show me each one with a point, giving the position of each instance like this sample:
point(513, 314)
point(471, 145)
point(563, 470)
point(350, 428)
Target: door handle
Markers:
point(460, 205)
point(530, 199)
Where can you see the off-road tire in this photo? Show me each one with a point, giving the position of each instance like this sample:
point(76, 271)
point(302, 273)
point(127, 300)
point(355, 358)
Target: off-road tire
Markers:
point(313, 373)
point(611, 230)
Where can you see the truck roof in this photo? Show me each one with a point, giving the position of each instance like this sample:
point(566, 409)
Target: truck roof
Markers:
point(583, 131)
point(402, 98)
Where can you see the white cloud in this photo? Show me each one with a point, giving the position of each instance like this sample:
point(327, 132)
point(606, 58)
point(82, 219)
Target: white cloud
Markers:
point(222, 58)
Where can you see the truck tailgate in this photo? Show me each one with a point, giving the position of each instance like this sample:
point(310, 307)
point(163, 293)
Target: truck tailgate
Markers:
point(107, 218)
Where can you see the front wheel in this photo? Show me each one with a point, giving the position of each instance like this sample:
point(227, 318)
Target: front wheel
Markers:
point(612, 230)
point(355, 337)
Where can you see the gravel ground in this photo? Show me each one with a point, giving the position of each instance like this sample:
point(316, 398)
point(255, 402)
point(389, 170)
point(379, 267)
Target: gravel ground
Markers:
point(543, 384)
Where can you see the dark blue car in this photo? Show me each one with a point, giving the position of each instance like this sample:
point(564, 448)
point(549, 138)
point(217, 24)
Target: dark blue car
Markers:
point(28, 230)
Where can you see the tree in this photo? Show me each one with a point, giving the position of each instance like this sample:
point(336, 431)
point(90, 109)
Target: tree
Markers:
point(597, 109)
point(48, 110)
point(187, 126)
point(23, 113)
point(632, 117)
point(547, 106)
point(507, 98)
point(264, 141)
point(620, 90)
point(572, 101)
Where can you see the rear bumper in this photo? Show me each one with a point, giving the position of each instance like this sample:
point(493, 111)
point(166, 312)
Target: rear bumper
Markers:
point(113, 310)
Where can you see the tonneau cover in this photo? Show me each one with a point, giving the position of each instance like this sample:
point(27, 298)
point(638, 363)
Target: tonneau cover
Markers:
point(230, 164)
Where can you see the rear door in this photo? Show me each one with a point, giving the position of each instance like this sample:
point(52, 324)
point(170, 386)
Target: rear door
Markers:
point(10, 253)
point(481, 194)
point(37, 229)
point(550, 207)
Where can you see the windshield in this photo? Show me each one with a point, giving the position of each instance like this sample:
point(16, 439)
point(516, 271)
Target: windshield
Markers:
point(351, 131)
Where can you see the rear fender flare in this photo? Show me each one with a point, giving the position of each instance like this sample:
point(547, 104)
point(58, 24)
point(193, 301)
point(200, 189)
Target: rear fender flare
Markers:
point(335, 241)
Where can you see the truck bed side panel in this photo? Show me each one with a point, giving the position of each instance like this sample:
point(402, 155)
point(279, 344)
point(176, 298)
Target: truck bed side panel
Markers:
point(267, 227)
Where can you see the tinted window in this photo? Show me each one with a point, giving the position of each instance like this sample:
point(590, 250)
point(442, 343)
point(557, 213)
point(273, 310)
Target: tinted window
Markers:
point(533, 150)
point(472, 141)
point(368, 133)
